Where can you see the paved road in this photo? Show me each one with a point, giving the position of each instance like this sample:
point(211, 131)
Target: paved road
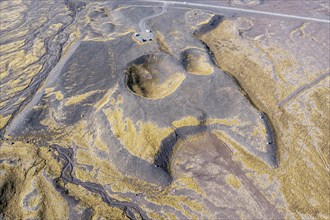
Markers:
point(239, 9)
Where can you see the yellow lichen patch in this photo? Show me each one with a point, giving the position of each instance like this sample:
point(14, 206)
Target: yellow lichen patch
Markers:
point(83, 174)
point(187, 121)
point(144, 142)
point(198, 65)
point(49, 90)
point(229, 122)
point(79, 98)
point(39, 47)
point(301, 137)
point(20, 78)
point(259, 131)
point(239, 154)
point(54, 205)
point(21, 59)
point(227, 49)
point(49, 121)
point(162, 43)
point(4, 74)
point(206, 21)
point(58, 94)
point(12, 17)
point(124, 32)
point(89, 199)
point(281, 61)
point(321, 121)
point(179, 203)
point(187, 183)
point(233, 181)
point(100, 145)
point(299, 30)
point(16, 89)
point(154, 215)
point(26, 173)
point(31, 71)
point(73, 38)
point(53, 167)
point(105, 99)
point(4, 120)
point(85, 157)
point(7, 48)
point(54, 28)
point(81, 137)
point(108, 175)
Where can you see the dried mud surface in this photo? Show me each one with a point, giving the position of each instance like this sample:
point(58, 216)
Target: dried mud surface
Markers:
point(164, 110)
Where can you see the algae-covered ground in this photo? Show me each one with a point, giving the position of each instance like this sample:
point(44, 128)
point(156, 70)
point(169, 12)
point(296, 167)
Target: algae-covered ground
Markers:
point(164, 109)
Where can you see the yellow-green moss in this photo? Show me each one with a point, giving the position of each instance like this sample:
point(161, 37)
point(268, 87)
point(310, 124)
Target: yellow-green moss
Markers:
point(79, 98)
point(233, 181)
point(4, 120)
point(143, 142)
point(303, 172)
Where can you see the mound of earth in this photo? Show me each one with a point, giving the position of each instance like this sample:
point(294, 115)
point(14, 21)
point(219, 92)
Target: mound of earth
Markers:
point(154, 76)
point(198, 62)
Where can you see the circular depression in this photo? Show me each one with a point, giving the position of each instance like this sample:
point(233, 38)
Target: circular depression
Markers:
point(154, 76)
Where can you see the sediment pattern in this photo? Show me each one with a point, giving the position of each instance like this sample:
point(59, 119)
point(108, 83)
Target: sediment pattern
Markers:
point(264, 69)
point(211, 119)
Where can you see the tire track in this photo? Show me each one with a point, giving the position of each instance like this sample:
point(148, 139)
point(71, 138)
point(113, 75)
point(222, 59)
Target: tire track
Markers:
point(302, 88)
